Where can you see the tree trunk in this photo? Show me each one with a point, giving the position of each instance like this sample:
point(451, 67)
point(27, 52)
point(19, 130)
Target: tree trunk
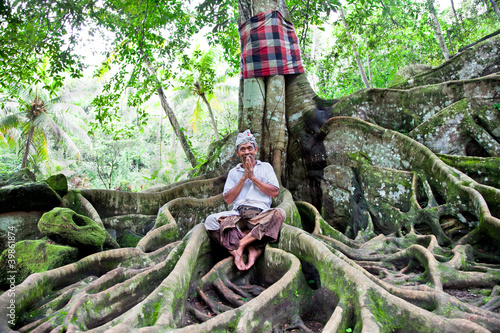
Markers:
point(28, 143)
point(214, 123)
point(369, 71)
point(171, 116)
point(451, 43)
point(454, 12)
point(262, 107)
point(356, 54)
point(495, 7)
point(437, 29)
point(161, 136)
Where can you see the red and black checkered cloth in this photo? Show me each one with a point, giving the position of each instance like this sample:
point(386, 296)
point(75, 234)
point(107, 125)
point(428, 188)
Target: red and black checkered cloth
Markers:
point(269, 46)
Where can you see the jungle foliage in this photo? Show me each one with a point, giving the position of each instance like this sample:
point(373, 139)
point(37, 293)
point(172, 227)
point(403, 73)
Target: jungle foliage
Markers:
point(47, 44)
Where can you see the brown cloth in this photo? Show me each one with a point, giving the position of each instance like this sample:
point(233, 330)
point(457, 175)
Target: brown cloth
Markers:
point(265, 227)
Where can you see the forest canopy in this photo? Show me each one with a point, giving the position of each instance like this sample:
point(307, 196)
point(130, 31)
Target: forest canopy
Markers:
point(93, 59)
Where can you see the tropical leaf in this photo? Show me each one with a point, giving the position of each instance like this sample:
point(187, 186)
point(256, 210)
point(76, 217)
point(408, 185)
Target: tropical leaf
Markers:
point(40, 147)
point(196, 117)
point(10, 121)
point(214, 102)
point(81, 96)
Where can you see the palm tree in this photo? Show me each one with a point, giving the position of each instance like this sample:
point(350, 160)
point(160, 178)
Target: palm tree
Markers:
point(199, 79)
point(38, 123)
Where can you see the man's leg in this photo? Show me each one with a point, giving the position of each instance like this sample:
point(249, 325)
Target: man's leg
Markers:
point(230, 237)
point(253, 253)
point(266, 228)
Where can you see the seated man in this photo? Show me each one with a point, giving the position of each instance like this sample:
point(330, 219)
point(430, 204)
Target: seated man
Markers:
point(250, 187)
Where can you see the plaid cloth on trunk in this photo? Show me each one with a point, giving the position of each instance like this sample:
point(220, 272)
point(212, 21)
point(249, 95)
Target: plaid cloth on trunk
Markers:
point(269, 46)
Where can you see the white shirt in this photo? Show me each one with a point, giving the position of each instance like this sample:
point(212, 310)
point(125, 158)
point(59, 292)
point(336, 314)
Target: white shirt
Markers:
point(250, 194)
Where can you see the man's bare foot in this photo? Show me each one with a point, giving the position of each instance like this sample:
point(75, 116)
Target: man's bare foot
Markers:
point(238, 258)
point(253, 254)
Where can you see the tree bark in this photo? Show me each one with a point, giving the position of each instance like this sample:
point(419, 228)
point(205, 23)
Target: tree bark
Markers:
point(437, 29)
point(356, 54)
point(454, 12)
point(451, 43)
point(495, 7)
point(369, 71)
point(262, 100)
point(171, 117)
point(28, 142)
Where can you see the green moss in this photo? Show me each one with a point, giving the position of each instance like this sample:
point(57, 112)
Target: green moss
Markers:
point(152, 311)
point(483, 170)
point(360, 157)
point(383, 315)
point(36, 256)
point(129, 239)
point(67, 227)
point(58, 183)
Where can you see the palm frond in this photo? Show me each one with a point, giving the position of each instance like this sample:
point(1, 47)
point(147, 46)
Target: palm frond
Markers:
point(10, 107)
point(60, 135)
point(63, 107)
point(69, 121)
point(74, 126)
point(10, 121)
point(3, 139)
point(181, 95)
point(228, 86)
point(40, 149)
point(214, 102)
point(46, 124)
point(196, 118)
point(73, 96)
point(207, 60)
point(10, 138)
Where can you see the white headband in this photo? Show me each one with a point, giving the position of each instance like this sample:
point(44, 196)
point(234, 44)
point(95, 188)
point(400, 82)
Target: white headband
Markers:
point(245, 137)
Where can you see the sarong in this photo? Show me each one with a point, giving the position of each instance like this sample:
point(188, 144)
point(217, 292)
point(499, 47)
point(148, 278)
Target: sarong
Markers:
point(265, 227)
point(269, 46)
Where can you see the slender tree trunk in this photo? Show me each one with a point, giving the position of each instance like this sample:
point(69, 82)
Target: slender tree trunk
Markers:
point(356, 54)
point(214, 123)
point(437, 29)
point(369, 72)
point(161, 135)
point(28, 143)
point(171, 116)
point(100, 173)
point(454, 12)
point(451, 43)
point(495, 7)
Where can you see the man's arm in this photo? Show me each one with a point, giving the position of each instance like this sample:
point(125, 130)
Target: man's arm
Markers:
point(233, 193)
point(266, 188)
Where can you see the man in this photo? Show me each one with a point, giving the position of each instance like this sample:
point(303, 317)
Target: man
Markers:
point(250, 187)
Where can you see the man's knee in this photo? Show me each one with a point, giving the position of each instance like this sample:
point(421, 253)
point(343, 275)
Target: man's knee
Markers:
point(212, 223)
point(280, 213)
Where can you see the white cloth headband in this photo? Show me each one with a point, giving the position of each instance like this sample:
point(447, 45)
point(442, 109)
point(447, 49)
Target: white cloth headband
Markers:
point(245, 137)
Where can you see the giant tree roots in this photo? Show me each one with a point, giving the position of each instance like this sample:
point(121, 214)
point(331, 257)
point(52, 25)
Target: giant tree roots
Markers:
point(401, 241)
point(413, 265)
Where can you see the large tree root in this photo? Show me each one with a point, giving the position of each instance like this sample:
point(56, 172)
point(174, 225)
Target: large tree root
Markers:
point(365, 144)
point(373, 305)
point(399, 280)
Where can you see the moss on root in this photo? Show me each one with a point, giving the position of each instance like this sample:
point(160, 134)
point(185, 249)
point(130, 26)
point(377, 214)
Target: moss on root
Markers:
point(32, 257)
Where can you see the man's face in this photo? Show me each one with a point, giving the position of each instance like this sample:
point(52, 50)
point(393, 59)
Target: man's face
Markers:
point(245, 150)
